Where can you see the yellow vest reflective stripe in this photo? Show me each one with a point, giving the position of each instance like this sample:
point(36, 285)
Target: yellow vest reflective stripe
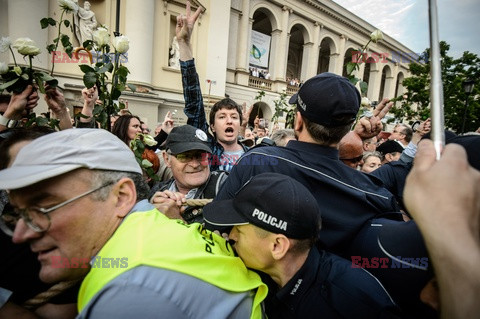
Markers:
point(151, 239)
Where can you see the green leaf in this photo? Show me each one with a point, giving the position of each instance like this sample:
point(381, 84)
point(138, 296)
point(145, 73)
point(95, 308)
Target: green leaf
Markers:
point(116, 94)
point(39, 81)
point(86, 68)
point(350, 67)
point(87, 43)
point(44, 23)
point(52, 22)
point(108, 67)
point(69, 51)
point(50, 48)
point(122, 71)
point(65, 40)
point(132, 87)
point(353, 80)
point(363, 87)
point(8, 84)
point(89, 79)
point(41, 121)
point(66, 23)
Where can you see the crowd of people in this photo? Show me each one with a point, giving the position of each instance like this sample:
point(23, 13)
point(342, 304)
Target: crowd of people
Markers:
point(259, 73)
point(322, 220)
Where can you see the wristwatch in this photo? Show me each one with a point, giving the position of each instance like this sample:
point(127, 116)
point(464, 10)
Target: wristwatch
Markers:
point(7, 122)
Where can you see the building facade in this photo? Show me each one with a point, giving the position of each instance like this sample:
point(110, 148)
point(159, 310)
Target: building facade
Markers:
point(241, 47)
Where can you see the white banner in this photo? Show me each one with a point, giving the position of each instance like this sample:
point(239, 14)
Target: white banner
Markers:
point(260, 49)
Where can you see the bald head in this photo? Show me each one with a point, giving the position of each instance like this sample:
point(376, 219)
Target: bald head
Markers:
point(350, 149)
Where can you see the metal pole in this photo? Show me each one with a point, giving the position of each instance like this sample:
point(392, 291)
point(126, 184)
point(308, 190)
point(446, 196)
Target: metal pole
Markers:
point(436, 87)
point(464, 115)
point(117, 20)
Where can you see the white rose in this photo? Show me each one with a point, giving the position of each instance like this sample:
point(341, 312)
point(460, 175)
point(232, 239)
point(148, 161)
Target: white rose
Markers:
point(26, 46)
point(68, 5)
point(101, 37)
point(376, 36)
point(121, 44)
point(149, 140)
point(5, 44)
point(365, 102)
point(3, 68)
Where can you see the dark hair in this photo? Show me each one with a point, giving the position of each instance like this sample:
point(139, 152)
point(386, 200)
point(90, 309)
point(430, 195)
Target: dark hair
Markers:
point(13, 136)
point(120, 128)
point(225, 103)
point(326, 135)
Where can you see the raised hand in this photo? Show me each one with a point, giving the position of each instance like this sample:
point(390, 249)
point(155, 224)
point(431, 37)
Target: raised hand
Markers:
point(185, 23)
point(368, 127)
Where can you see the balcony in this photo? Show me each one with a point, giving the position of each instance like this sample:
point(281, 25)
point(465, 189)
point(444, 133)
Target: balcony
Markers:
point(292, 89)
point(259, 83)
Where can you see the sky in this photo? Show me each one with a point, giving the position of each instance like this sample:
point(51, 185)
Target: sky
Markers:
point(407, 22)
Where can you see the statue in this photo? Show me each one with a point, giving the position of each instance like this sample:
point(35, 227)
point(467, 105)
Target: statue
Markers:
point(175, 55)
point(85, 23)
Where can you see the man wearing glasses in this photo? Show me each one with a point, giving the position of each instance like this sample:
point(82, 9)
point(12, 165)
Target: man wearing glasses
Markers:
point(80, 195)
point(402, 134)
point(188, 156)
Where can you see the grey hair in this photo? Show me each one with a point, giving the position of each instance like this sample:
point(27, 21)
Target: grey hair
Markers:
point(102, 177)
point(280, 135)
point(369, 154)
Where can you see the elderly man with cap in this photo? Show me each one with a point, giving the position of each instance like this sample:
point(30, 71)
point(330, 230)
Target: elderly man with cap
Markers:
point(275, 222)
point(327, 106)
point(79, 200)
point(186, 154)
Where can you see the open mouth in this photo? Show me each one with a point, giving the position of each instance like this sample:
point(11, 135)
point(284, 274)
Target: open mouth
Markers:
point(229, 130)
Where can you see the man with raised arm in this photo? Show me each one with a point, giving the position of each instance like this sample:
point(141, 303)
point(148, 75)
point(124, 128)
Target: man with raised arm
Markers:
point(226, 117)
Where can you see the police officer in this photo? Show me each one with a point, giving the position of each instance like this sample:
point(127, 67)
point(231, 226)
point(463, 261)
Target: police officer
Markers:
point(275, 223)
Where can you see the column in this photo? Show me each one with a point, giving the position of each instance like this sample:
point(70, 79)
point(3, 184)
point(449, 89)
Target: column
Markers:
point(140, 34)
point(341, 55)
point(307, 64)
point(244, 35)
point(275, 49)
point(392, 82)
point(281, 58)
point(374, 85)
point(311, 68)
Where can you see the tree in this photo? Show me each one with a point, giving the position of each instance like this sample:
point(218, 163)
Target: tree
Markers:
point(454, 72)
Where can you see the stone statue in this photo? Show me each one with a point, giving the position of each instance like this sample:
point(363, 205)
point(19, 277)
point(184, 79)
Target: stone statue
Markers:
point(175, 55)
point(85, 23)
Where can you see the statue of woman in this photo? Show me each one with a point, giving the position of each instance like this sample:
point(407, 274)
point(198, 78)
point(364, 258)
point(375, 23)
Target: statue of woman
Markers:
point(174, 62)
point(85, 23)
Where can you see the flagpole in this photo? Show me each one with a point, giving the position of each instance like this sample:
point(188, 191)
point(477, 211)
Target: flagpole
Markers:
point(436, 86)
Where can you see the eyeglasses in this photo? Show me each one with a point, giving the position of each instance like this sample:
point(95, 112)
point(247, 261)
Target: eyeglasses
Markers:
point(37, 218)
point(353, 160)
point(189, 156)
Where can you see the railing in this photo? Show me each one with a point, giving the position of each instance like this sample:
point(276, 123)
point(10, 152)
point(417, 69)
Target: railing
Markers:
point(292, 89)
point(260, 83)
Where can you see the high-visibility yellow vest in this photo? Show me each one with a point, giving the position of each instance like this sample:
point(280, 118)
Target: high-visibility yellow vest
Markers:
point(151, 239)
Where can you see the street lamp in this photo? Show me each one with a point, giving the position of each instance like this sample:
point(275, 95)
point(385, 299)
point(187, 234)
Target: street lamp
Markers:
point(468, 88)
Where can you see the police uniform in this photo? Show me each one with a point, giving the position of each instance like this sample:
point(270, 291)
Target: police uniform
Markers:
point(347, 198)
point(328, 287)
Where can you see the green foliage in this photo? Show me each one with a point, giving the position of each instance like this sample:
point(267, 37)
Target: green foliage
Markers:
point(283, 108)
point(415, 104)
